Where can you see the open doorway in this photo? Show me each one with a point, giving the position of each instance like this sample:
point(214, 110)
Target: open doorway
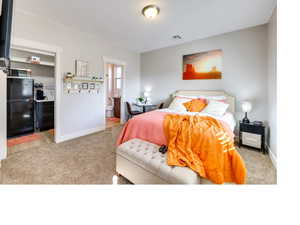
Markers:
point(114, 73)
point(113, 94)
point(31, 98)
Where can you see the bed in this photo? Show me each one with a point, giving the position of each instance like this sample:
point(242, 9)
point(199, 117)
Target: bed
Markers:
point(148, 128)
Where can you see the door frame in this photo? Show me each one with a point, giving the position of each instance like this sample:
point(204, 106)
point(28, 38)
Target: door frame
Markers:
point(42, 48)
point(107, 60)
point(3, 114)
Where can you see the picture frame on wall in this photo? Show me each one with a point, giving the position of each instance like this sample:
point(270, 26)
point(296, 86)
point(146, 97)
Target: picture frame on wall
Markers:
point(81, 68)
point(92, 86)
point(84, 86)
point(203, 65)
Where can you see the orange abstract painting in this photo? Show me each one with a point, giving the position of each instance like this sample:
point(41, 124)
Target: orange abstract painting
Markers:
point(204, 65)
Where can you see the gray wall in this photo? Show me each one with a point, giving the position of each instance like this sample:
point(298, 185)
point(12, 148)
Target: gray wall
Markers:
point(244, 69)
point(272, 86)
point(79, 113)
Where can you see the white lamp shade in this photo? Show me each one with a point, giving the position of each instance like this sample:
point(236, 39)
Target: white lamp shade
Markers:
point(246, 106)
point(146, 94)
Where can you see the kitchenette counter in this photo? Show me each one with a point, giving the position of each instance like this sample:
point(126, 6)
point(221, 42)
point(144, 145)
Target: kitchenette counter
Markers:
point(45, 100)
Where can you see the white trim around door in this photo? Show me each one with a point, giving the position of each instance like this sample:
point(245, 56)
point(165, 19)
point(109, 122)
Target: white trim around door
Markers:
point(107, 60)
point(3, 114)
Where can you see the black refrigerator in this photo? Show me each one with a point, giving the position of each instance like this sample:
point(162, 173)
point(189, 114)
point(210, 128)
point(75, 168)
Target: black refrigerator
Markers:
point(20, 107)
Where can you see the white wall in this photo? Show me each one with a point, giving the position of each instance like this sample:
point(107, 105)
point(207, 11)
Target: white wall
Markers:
point(3, 135)
point(82, 112)
point(244, 69)
point(272, 84)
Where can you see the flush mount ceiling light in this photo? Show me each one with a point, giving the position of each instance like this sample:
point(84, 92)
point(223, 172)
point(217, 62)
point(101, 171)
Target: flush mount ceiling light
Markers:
point(150, 11)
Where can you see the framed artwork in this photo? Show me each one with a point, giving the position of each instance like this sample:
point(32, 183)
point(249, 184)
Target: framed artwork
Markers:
point(84, 86)
point(92, 86)
point(204, 65)
point(81, 68)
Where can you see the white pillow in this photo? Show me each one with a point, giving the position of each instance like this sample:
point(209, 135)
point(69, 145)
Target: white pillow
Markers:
point(186, 96)
point(215, 108)
point(177, 104)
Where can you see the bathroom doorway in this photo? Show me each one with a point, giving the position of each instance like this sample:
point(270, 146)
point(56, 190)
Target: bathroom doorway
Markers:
point(114, 92)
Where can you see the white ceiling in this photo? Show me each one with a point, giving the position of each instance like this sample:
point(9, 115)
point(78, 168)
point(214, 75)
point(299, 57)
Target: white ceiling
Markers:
point(121, 20)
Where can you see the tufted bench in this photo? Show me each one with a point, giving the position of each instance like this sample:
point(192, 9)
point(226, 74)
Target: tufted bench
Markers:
point(141, 163)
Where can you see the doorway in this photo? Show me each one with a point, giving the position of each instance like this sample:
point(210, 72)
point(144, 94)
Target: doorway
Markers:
point(40, 82)
point(38, 48)
point(30, 98)
point(114, 77)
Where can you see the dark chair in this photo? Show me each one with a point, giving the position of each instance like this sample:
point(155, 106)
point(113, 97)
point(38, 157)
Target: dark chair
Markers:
point(131, 113)
point(161, 106)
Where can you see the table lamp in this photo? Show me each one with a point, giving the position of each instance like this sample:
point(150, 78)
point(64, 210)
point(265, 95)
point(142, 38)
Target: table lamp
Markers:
point(246, 107)
point(147, 97)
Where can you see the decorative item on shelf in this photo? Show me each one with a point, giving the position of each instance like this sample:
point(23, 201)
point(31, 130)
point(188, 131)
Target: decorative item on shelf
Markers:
point(101, 78)
point(69, 75)
point(246, 107)
point(34, 60)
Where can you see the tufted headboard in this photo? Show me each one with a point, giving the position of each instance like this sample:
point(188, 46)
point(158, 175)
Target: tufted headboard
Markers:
point(230, 99)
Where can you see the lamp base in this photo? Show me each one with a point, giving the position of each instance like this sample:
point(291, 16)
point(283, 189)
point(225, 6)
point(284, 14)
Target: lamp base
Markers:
point(246, 120)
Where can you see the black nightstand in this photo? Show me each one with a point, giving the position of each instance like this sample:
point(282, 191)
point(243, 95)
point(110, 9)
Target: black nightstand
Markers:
point(252, 135)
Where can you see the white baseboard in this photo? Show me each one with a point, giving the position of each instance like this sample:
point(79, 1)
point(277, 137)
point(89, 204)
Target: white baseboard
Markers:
point(79, 134)
point(272, 157)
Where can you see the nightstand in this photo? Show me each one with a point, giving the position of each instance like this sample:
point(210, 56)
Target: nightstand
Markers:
point(252, 135)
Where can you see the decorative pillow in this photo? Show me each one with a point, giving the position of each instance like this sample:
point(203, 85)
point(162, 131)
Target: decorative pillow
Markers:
point(195, 105)
point(216, 108)
point(177, 104)
point(220, 98)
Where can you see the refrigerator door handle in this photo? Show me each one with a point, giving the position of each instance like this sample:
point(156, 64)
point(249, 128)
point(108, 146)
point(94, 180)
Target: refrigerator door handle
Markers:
point(21, 100)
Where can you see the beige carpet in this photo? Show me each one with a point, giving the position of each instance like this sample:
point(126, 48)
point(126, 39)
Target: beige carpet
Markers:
point(91, 160)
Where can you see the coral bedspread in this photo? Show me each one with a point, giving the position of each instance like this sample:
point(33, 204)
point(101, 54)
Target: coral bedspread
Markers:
point(147, 126)
point(193, 141)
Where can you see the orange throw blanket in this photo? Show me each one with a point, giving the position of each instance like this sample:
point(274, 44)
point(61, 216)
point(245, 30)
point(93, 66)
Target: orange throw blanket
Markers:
point(205, 145)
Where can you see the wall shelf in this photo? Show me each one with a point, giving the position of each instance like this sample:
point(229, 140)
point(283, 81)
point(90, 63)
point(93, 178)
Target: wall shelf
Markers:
point(80, 80)
point(82, 85)
point(23, 60)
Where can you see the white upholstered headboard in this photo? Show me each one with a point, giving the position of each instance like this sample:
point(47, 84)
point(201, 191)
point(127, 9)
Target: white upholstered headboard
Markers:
point(230, 99)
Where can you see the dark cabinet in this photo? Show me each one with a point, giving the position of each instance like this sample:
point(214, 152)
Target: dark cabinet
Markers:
point(44, 115)
point(117, 107)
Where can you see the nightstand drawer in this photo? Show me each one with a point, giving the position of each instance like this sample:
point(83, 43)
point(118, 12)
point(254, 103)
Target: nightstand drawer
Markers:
point(253, 140)
point(252, 128)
